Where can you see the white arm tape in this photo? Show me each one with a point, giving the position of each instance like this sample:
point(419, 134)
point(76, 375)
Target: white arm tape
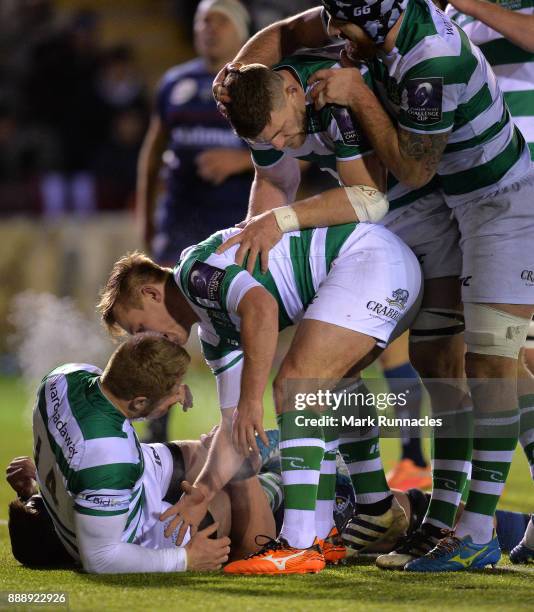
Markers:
point(369, 204)
point(287, 219)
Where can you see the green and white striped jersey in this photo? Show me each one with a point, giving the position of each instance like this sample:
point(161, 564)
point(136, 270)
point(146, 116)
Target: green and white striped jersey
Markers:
point(87, 454)
point(214, 284)
point(332, 133)
point(436, 81)
point(513, 66)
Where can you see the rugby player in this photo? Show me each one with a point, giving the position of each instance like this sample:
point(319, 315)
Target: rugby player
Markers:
point(311, 282)
point(103, 494)
point(452, 123)
point(505, 34)
point(255, 502)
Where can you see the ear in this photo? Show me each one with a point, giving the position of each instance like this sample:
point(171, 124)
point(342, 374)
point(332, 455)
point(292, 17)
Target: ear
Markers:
point(152, 292)
point(291, 90)
point(137, 407)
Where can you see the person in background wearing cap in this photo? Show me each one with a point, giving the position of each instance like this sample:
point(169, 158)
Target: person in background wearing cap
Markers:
point(207, 167)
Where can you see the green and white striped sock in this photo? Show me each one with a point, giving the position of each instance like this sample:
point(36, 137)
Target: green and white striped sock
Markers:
point(451, 465)
point(301, 453)
point(492, 457)
point(326, 492)
point(271, 483)
point(526, 428)
point(360, 449)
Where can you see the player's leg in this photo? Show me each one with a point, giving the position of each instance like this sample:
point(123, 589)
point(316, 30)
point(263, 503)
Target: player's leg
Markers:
point(412, 469)
point(498, 308)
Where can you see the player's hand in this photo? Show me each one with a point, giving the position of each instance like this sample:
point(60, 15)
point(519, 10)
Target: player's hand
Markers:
point(205, 554)
point(258, 237)
point(216, 165)
point(187, 398)
point(21, 476)
point(190, 509)
point(220, 93)
point(339, 86)
point(247, 420)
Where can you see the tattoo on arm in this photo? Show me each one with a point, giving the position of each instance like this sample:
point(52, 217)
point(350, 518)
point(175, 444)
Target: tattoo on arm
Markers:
point(425, 148)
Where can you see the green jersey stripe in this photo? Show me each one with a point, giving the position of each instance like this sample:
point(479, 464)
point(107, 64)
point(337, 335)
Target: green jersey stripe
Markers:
point(137, 508)
point(61, 526)
point(491, 132)
point(112, 476)
point(520, 102)
point(486, 174)
point(502, 51)
point(299, 249)
point(336, 236)
point(231, 364)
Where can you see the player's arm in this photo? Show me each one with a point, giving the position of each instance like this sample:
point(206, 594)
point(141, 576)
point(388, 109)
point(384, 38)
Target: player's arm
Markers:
point(411, 155)
point(147, 176)
point(284, 37)
point(274, 185)
point(102, 551)
point(514, 26)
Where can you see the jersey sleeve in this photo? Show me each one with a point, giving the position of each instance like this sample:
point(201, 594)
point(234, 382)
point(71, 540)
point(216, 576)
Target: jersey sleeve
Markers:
point(227, 366)
point(429, 95)
point(265, 156)
point(101, 488)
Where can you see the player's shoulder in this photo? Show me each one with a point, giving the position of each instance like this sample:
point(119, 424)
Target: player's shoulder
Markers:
point(304, 65)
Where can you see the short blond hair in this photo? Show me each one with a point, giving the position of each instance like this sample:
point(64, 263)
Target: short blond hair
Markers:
point(146, 365)
point(127, 276)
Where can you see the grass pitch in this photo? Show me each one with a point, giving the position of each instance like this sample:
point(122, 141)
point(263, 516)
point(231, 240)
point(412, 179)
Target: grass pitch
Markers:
point(356, 587)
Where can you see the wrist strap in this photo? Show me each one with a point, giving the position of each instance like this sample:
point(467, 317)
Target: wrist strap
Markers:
point(287, 219)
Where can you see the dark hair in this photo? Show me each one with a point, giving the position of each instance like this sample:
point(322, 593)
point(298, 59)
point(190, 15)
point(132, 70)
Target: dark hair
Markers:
point(34, 541)
point(255, 91)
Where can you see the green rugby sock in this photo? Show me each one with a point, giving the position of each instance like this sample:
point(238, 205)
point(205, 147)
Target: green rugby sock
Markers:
point(301, 453)
point(326, 491)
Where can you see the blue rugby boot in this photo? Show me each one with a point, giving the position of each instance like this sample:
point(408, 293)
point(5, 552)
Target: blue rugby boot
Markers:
point(452, 555)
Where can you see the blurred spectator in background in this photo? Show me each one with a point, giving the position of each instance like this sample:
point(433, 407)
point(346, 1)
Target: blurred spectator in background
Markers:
point(205, 163)
point(206, 166)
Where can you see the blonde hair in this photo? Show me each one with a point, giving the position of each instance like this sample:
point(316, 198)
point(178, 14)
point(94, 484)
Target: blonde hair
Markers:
point(128, 274)
point(146, 365)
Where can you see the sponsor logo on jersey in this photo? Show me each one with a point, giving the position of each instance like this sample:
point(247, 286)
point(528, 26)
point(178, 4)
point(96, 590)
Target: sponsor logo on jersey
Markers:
point(422, 99)
point(466, 280)
point(346, 125)
point(398, 299)
point(528, 276)
point(183, 91)
point(104, 501)
point(157, 458)
point(204, 284)
point(61, 426)
point(384, 310)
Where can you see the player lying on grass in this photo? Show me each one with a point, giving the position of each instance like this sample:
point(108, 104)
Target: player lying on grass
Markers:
point(351, 289)
point(256, 505)
point(103, 494)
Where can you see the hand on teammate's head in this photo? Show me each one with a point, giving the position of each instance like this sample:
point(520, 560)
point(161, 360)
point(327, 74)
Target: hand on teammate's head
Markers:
point(220, 93)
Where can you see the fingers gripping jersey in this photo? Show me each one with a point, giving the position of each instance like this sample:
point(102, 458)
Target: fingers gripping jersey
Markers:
point(436, 81)
point(214, 286)
point(88, 458)
point(332, 134)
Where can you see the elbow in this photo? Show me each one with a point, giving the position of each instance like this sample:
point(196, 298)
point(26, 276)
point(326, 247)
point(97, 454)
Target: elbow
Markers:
point(415, 176)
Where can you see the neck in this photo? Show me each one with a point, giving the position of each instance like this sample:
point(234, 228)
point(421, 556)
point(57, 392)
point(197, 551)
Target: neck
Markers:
point(391, 38)
point(177, 306)
point(117, 403)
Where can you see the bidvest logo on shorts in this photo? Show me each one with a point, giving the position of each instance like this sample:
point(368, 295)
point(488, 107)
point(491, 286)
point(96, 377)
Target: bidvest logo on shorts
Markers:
point(395, 304)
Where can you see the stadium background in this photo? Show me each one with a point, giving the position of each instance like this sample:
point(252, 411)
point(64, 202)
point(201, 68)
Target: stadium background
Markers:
point(53, 259)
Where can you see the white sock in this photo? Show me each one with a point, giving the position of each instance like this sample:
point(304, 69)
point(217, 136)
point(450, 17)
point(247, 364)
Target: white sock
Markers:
point(478, 526)
point(298, 528)
point(528, 538)
point(324, 517)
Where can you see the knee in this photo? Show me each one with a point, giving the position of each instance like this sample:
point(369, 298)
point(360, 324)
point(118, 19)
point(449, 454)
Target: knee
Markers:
point(441, 358)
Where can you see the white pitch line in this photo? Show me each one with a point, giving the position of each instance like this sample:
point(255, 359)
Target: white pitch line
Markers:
point(2, 522)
